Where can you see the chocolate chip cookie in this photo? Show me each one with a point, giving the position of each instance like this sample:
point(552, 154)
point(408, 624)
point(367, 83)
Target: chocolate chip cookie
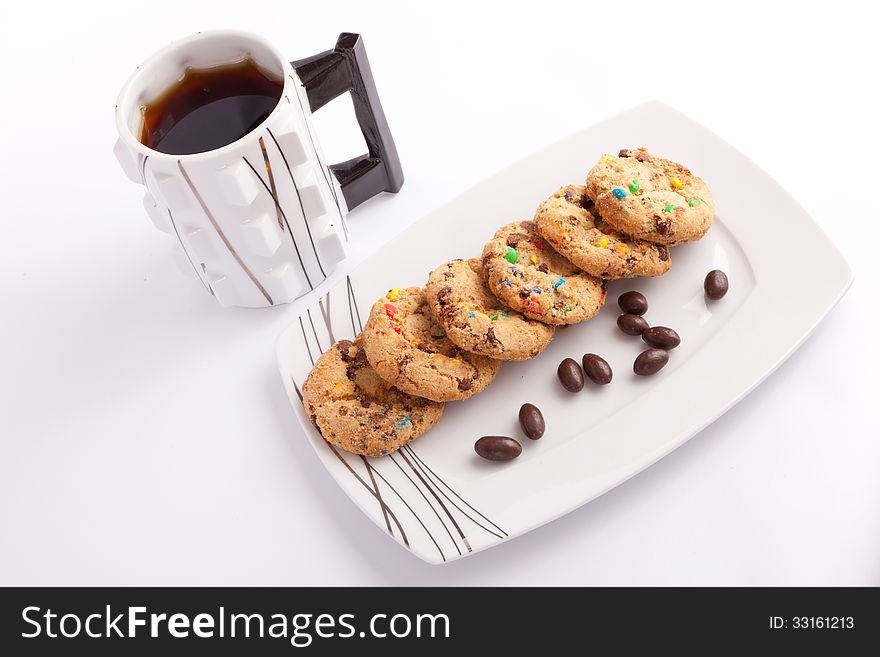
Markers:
point(410, 350)
point(571, 223)
point(475, 320)
point(651, 198)
point(527, 274)
point(355, 410)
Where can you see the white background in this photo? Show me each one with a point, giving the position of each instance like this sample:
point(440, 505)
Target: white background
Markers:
point(146, 438)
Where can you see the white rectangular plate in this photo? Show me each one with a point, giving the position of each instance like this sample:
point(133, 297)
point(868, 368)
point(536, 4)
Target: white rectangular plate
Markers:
point(442, 501)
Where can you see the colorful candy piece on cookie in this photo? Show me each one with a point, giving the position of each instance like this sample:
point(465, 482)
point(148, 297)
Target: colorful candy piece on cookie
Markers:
point(416, 356)
point(456, 289)
point(567, 295)
point(570, 220)
point(355, 410)
point(672, 205)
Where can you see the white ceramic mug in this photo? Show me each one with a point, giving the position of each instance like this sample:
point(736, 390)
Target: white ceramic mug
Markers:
point(262, 219)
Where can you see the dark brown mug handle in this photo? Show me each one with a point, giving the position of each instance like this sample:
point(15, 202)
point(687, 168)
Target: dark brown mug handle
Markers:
point(329, 75)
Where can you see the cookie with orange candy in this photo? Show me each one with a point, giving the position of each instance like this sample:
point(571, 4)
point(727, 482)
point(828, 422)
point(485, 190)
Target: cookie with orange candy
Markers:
point(571, 223)
point(355, 410)
point(651, 198)
point(410, 350)
point(528, 275)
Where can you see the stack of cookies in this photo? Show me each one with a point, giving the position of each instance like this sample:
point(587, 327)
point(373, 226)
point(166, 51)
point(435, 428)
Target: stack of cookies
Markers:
point(422, 347)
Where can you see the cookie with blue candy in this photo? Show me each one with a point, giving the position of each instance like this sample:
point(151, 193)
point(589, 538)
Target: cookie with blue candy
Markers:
point(651, 198)
point(527, 274)
point(356, 410)
point(571, 223)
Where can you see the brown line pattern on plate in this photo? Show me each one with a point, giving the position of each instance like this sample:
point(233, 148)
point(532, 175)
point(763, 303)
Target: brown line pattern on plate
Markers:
point(379, 499)
point(306, 340)
point(354, 300)
point(427, 501)
point(354, 330)
point(425, 465)
point(314, 332)
point(299, 198)
point(415, 515)
point(450, 500)
point(284, 216)
point(296, 389)
point(327, 317)
point(222, 235)
point(439, 501)
point(376, 488)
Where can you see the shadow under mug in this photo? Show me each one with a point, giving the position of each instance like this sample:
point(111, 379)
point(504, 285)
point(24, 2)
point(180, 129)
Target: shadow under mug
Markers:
point(262, 219)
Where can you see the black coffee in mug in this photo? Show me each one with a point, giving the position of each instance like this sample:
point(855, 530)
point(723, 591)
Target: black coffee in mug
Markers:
point(210, 107)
